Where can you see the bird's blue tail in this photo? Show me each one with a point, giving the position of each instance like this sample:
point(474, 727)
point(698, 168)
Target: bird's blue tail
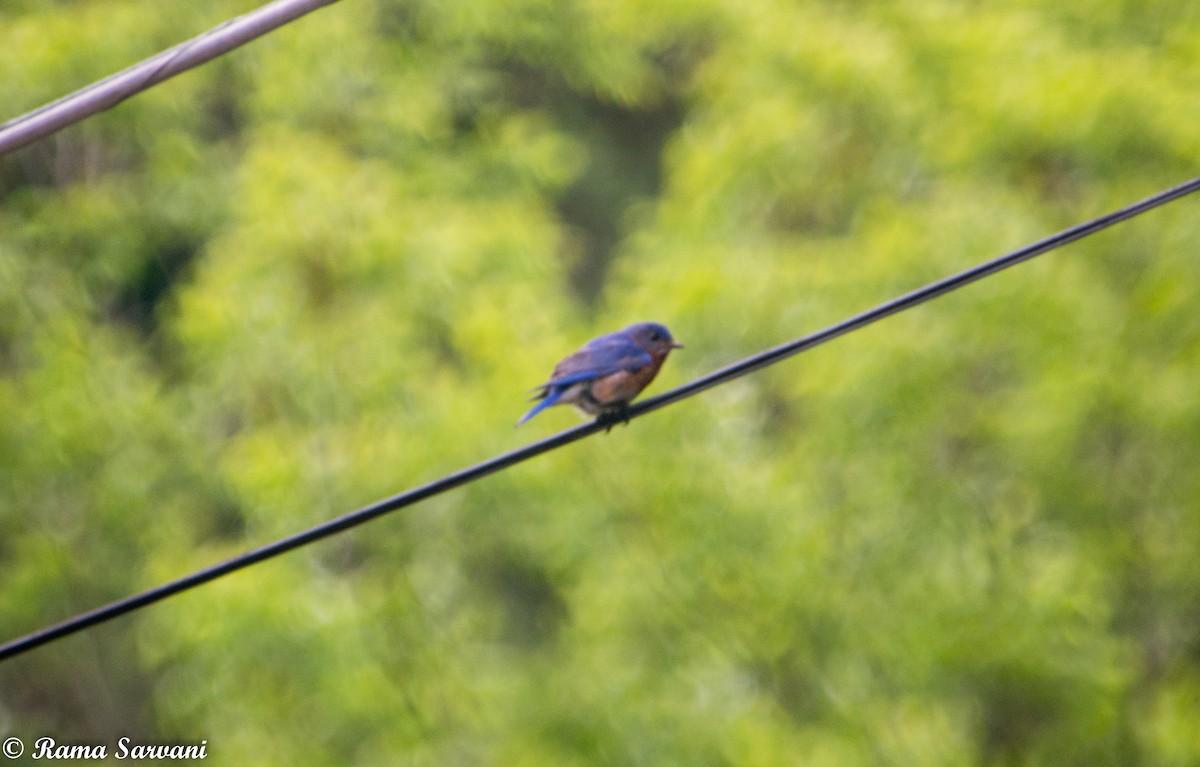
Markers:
point(552, 396)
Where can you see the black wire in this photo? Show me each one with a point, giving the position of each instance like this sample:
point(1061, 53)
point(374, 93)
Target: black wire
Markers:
point(918, 296)
point(480, 470)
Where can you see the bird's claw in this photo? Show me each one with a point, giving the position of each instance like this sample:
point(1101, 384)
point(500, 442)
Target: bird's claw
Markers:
point(611, 418)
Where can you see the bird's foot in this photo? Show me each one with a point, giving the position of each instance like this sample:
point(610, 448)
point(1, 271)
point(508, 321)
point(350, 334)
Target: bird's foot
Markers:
point(611, 418)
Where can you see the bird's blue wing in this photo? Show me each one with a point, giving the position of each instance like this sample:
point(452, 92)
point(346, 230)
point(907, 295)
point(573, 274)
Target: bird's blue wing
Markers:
point(601, 357)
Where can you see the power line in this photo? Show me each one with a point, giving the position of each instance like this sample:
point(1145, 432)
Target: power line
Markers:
point(480, 470)
point(918, 296)
point(112, 90)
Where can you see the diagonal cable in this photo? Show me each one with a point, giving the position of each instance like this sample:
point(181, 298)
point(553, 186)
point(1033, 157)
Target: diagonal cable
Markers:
point(503, 461)
point(112, 90)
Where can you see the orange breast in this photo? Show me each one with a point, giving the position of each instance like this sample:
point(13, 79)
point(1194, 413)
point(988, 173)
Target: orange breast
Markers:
point(620, 388)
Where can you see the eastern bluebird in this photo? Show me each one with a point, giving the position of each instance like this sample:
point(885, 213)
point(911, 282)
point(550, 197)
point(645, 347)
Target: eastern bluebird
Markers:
point(607, 372)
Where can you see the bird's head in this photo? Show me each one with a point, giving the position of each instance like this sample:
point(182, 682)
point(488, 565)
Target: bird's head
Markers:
point(653, 337)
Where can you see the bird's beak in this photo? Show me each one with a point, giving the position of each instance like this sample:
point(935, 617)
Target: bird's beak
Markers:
point(676, 345)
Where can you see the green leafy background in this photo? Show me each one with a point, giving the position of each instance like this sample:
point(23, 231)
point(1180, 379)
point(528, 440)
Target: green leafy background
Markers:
point(327, 267)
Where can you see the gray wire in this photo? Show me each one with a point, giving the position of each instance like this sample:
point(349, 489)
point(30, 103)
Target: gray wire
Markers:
point(112, 90)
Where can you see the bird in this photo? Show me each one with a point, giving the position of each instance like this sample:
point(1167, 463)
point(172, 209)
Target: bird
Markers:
point(607, 372)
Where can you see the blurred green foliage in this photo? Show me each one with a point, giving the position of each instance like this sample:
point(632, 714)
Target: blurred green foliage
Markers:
point(327, 267)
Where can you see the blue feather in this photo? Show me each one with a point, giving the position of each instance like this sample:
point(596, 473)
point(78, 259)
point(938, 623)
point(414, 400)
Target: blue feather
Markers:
point(552, 396)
